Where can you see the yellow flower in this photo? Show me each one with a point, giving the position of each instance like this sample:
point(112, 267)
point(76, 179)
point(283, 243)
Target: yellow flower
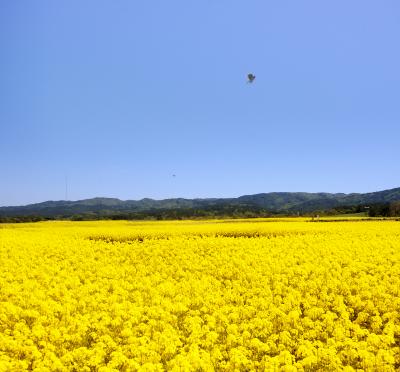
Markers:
point(229, 295)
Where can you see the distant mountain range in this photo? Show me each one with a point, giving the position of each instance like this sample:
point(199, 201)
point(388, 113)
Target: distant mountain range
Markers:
point(273, 202)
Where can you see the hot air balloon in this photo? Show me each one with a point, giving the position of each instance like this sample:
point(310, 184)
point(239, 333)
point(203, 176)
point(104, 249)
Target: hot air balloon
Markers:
point(250, 78)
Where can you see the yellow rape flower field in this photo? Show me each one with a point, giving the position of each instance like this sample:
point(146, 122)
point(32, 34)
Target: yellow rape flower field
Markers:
point(234, 295)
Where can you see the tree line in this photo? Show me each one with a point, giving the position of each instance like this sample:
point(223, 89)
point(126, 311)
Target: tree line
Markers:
point(211, 212)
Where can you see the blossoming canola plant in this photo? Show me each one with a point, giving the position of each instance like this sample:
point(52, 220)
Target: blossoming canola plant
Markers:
point(212, 295)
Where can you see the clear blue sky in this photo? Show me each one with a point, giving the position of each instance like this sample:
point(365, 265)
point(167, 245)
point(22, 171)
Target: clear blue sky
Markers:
point(120, 95)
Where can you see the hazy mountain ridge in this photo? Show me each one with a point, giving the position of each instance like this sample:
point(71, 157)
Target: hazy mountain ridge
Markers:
point(277, 202)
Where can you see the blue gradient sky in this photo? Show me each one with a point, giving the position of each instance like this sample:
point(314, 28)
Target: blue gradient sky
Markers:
point(120, 95)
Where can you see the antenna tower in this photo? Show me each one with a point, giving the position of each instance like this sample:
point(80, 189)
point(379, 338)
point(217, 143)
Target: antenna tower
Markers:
point(66, 187)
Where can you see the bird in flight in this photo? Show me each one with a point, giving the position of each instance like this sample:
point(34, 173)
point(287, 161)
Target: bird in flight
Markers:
point(250, 78)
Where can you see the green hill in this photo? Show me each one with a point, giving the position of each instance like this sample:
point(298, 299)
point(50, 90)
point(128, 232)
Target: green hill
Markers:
point(258, 204)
